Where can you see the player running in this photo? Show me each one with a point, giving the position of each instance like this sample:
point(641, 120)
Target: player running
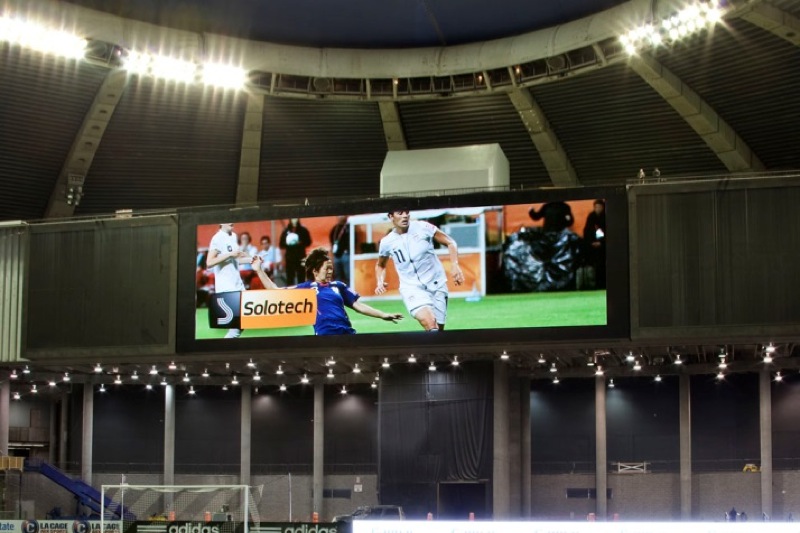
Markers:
point(423, 282)
point(332, 296)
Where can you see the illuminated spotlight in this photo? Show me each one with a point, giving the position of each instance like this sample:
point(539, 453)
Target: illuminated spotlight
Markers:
point(630, 358)
point(257, 377)
point(356, 370)
point(148, 387)
point(282, 388)
point(541, 359)
point(14, 374)
point(412, 359)
point(678, 360)
point(374, 385)
point(637, 366)
point(556, 381)
point(553, 368)
point(504, 356)
point(778, 377)
point(455, 360)
point(26, 370)
point(224, 387)
point(599, 371)
point(279, 371)
point(191, 390)
point(723, 364)
point(37, 37)
point(135, 375)
point(657, 379)
point(330, 373)
point(234, 380)
point(767, 358)
point(223, 76)
point(163, 382)
point(720, 375)
point(34, 390)
point(173, 69)
point(98, 369)
point(172, 365)
point(611, 383)
point(432, 367)
point(16, 396)
point(377, 377)
point(153, 371)
point(118, 380)
point(304, 379)
point(52, 383)
point(770, 348)
point(102, 388)
point(186, 378)
point(344, 389)
point(385, 363)
point(137, 62)
point(251, 364)
point(205, 373)
point(66, 377)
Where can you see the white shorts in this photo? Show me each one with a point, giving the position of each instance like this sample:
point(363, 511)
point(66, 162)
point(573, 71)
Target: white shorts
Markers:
point(416, 298)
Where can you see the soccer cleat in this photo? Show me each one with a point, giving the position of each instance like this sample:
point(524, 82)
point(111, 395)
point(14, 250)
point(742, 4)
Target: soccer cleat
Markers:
point(233, 333)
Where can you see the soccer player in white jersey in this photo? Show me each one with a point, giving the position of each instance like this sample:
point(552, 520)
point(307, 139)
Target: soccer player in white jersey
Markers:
point(423, 281)
point(224, 257)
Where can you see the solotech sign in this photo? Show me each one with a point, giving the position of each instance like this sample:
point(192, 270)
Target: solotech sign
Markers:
point(278, 308)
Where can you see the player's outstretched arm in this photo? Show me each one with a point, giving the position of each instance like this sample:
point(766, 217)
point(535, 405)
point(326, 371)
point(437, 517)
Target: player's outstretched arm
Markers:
point(364, 309)
point(216, 257)
point(380, 275)
point(258, 267)
point(446, 240)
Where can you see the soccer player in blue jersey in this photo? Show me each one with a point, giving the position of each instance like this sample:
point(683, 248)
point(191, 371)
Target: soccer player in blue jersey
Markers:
point(332, 296)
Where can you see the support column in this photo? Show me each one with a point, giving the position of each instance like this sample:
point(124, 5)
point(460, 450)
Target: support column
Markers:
point(250, 158)
point(5, 410)
point(169, 434)
point(63, 433)
point(392, 126)
point(501, 466)
point(765, 419)
point(88, 431)
point(318, 481)
point(525, 445)
point(246, 441)
point(52, 438)
point(685, 436)
point(601, 450)
point(514, 447)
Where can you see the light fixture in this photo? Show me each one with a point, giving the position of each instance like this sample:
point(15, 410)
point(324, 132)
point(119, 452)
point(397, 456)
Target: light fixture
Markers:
point(148, 386)
point(191, 390)
point(356, 370)
point(599, 371)
point(205, 373)
point(556, 381)
point(34, 390)
point(455, 361)
point(720, 375)
point(377, 377)
point(26, 370)
point(330, 373)
point(172, 365)
point(234, 380)
point(504, 356)
point(553, 368)
point(223, 76)
point(611, 383)
point(304, 379)
point(41, 39)
point(153, 371)
point(224, 387)
point(723, 364)
point(630, 357)
point(282, 388)
point(542, 359)
point(14, 374)
point(186, 378)
point(778, 377)
point(97, 368)
point(770, 348)
point(173, 69)
point(102, 388)
point(432, 367)
point(689, 20)
point(768, 358)
point(374, 385)
point(163, 382)
point(344, 389)
point(657, 379)
point(135, 376)
point(16, 396)
point(52, 383)
point(637, 366)
point(118, 380)
point(590, 361)
point(251, 364)
point(66, 377)
point(678, 360)
point(331, 361)
point(257, 376)
point(279, 371)
point(385, 362)
point(412, 359)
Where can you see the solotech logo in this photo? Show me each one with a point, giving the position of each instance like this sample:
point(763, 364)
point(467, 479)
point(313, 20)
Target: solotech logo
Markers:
point(278, 308)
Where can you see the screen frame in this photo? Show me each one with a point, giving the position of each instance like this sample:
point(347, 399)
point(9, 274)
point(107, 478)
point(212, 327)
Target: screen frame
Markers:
point(617, 327)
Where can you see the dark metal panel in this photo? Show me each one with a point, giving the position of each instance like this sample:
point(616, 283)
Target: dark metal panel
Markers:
point(167, 145)
point(477, 120)
point(313, 149)
point(42, 104)
point(718, 256)
point(13, 261)
point(611, 124)
point(751, 78)
point(98, 287)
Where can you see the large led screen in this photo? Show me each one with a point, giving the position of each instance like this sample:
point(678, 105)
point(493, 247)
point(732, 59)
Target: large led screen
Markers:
point(406, 267)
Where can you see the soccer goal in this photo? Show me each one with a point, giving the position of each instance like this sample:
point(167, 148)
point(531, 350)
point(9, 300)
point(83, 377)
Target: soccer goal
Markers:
point(168, 508)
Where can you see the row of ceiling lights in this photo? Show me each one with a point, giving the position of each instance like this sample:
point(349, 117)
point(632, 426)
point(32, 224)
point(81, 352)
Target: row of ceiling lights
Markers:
point(688, 21)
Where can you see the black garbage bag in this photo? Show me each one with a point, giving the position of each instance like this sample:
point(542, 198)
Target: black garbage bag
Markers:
point(536, 261)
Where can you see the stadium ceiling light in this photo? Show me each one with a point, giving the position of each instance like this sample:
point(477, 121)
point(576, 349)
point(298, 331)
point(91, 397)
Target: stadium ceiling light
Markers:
point(148, 386)
point(723, 364)
point(304, 379)
point(191, 390)
point(599, 371)
point(41, 38)
point(257, 376)
point(205, 373)
point(455, 361)
point(14, 374)
point(330, 373)
point(251, 364)
point(52, 383)
point(678, 360)
point(118, 380)
point(172, 365)
point(637, 366)
point(16, 396)
point(153, 371)
point(234, 380)
point(542, 359)
point(282, 388)
point(97, 368)
point(377, 377)
point(657, 379)
point(66, 377)
point(26, 370)
point(223, 76)
point(432, 367)
point(374, 385)
point(556, 381)
point(770, 348)
point(412, 359)
point(173, 69)
point(135, 375)
point(504, 356)
point(778, 377)
point(356, 369)
point(224, 387)
point(344, 389)
point(385, 363)
point(34, 390)
point(688, 21)
point(102, 387)
point(611, 383)
point(768, 358)
point(553, 368)
point(590, 361)
point(186, 378)
point(279, 371)
point(163, 382)
point(630, 357)
point(720, 375)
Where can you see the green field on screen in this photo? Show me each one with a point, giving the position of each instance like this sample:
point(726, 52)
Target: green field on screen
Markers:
point(530, 310)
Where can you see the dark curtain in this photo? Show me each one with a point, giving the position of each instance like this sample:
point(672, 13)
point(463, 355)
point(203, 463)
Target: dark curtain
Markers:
point(434, 427)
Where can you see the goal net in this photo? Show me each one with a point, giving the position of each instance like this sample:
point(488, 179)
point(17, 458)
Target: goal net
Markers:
point(235, 505)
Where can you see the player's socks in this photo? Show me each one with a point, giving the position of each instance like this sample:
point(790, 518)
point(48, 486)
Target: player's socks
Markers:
point(233, 333)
